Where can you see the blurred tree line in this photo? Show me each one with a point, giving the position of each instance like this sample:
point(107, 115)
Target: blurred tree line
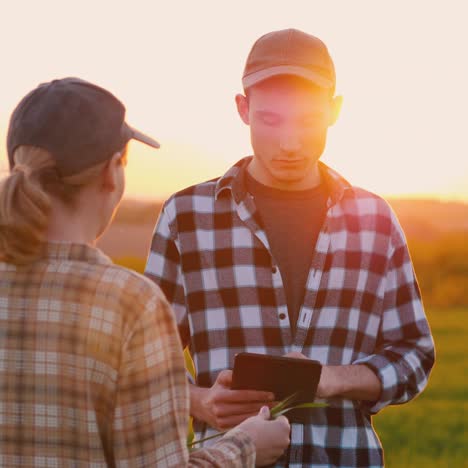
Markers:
point(441, 267)
point(437, 234)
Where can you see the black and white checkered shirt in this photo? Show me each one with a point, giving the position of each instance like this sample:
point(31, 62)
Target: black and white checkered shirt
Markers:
point(362, 304)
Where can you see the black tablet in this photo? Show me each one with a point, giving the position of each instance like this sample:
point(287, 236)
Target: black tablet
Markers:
point(281, 375)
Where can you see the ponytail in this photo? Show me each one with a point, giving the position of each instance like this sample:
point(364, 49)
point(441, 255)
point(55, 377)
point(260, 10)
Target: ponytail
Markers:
point(24, 207)
point(26, 201)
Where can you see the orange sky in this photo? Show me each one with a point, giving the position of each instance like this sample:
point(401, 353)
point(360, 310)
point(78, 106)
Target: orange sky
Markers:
point(402, 68)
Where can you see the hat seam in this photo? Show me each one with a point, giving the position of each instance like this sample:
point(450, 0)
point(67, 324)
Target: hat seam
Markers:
point(286, 46)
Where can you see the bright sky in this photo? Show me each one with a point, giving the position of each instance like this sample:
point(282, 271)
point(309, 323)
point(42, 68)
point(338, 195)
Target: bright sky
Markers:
point(402, 67)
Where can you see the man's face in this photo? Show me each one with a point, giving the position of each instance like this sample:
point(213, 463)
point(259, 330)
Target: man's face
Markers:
point(288, 119)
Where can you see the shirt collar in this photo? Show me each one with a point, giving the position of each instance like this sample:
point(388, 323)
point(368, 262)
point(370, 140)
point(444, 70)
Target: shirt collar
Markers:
point(63, 251)
point(233, 182)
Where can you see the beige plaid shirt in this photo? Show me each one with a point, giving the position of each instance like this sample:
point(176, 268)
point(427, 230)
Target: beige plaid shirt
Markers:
point(91, 370)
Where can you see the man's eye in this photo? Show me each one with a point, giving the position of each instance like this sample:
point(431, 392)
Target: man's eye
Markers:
point(270, 120)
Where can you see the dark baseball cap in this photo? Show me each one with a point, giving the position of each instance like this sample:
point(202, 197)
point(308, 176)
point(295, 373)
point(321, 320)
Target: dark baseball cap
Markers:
point(289, 52)
point(79, 123)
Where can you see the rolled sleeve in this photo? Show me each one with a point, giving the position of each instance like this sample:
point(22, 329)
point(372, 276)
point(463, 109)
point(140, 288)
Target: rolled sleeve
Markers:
point(405, 352)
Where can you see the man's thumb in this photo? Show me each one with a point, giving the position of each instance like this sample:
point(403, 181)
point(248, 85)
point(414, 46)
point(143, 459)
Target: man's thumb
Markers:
point(225, 378)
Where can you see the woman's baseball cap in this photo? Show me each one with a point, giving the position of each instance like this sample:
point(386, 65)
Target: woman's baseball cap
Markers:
point(79, 123)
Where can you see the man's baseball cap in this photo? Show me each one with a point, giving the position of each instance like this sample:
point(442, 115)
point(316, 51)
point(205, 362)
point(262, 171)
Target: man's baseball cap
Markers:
point(289, 52)
point(79, 123)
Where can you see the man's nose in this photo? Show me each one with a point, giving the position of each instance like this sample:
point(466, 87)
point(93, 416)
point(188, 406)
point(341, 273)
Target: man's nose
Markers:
point(290, 142)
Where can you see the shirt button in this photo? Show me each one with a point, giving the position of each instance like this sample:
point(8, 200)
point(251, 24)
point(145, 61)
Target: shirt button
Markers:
point(282, 316)
point(274, 269)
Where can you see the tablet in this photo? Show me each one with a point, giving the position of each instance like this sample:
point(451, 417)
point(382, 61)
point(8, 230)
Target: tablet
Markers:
point(281, 375)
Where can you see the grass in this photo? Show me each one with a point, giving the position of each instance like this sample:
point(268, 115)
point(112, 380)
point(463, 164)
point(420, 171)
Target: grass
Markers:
point(431, 431)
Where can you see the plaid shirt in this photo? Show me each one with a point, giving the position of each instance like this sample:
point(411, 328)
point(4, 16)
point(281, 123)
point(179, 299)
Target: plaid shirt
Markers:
point(91, 370)
point(362, 305)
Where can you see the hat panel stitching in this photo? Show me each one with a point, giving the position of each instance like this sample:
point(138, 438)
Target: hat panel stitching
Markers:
point(287, 45)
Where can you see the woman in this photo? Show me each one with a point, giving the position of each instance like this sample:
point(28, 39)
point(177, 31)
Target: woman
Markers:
point(91, 368)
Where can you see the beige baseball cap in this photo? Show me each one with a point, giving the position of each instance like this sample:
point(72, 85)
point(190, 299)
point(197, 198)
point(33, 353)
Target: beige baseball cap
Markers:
point(289, 52)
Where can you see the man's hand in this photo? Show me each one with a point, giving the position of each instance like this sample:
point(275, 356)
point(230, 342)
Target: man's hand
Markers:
point(356, 382)
point(223, 408)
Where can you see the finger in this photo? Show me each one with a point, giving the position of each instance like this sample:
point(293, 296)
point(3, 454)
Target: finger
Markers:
point(232, 409)
point(245, 396)
point(225, 378)
point(295, 354)
point(283, 420)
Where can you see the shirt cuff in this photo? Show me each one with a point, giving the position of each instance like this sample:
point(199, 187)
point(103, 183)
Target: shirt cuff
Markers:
point(240, 446)
point(390, 381)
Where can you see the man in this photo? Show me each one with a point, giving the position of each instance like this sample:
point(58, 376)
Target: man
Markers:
point(283, 256)
point(91, 368)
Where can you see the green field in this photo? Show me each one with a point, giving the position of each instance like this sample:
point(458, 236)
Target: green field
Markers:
point(431, 431)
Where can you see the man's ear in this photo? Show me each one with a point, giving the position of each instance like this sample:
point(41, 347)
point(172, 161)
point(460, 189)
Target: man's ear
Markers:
point(243, 108)
point(336, 104)
point(109, 173)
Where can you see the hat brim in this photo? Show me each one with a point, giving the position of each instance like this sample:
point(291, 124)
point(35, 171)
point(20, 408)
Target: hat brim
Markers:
point(262, 75)
point(139, 136)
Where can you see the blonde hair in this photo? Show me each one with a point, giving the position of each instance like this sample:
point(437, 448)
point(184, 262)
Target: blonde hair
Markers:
point(25, 201)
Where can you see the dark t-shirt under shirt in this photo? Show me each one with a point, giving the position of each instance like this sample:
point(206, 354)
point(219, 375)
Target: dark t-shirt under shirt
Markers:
point(292, 221)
